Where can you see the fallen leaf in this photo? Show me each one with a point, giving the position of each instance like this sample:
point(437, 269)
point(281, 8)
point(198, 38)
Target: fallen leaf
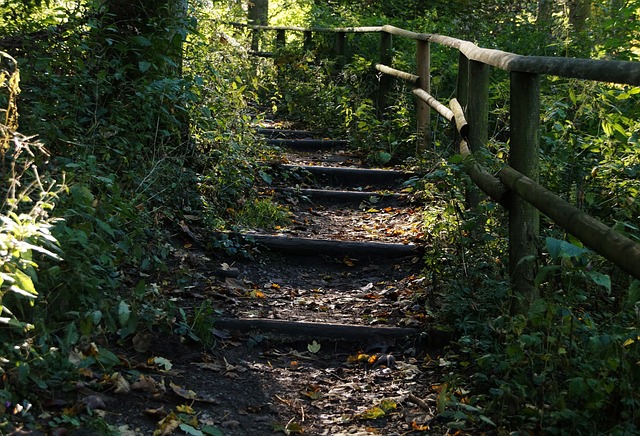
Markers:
point(93, 402)
point(120, 383)
point(162, 363)
point(142, 342)
point(419, 427)
point(147, 384)
point(157, 412)
point(185, 408)
point(184, 393)
point(313, 347)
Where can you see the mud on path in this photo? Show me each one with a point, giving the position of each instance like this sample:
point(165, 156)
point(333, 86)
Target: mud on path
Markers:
point(342, 348)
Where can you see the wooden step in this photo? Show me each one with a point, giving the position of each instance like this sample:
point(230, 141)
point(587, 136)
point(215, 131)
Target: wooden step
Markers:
point(336, 248)
point(353, 177)
point(312, 330)
point(308, 144)
point(338, 197)
point(285, 133)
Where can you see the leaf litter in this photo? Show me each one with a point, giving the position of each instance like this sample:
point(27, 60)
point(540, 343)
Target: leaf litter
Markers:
point(250, 383)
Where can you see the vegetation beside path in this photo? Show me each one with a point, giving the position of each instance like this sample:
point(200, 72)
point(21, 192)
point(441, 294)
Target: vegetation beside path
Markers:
point(138, 143)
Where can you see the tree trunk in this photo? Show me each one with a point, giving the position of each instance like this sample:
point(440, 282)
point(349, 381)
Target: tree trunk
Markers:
point(545, 13)
point(579, 11)
point(258, 12)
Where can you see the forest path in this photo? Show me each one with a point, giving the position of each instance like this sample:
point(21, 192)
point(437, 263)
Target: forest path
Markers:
point(323, 330)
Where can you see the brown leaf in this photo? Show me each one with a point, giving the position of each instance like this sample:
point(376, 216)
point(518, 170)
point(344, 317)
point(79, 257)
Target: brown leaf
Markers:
point(93, 402)
point(120, 383)
point(182, 392)
point(148, 384)
point(142, 342)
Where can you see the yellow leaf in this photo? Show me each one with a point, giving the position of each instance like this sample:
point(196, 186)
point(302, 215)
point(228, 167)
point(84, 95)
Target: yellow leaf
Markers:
point(257, 294)
point(373, 413)
point(419, 427)
point(388, 405)
point(185, 408)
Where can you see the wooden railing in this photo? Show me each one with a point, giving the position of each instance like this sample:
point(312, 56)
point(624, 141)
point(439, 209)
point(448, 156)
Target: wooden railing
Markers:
point(469, 111)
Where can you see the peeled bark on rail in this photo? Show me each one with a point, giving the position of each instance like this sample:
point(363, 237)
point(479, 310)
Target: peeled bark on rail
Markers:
point(486, 181)
point(407, 77)
point(458, 116)
point(435, 104)
point(605, 241)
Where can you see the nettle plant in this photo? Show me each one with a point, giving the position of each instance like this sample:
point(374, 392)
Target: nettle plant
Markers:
point(25, 222)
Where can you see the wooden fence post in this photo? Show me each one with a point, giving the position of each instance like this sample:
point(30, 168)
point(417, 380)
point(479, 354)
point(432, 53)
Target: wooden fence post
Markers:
point(524, 219)
point(308, 40)
point(255, 40)
point(281, 39)
point(462, 87)
point(477, 117)
point(423, 57)
point(386, 58)
point(341, 49)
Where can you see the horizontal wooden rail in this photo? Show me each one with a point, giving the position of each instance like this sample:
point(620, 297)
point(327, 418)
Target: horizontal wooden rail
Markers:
point(605, 241)
point(435, 104)
point(407, 77)
point(515, 186)
point(623, 72)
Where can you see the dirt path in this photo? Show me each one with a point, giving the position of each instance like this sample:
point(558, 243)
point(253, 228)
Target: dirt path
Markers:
point(324, 339)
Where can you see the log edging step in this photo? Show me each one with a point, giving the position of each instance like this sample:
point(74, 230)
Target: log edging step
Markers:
point(352, 176)
point(344, 197)
point(308, 144)
point(312, 247)
point(292, 245)
point(284, 133)
point(346, 332)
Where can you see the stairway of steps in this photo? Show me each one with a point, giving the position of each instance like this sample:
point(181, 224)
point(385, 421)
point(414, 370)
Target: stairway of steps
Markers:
point(348, 267)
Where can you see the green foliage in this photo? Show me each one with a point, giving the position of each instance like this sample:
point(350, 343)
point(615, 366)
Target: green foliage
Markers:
point(262, 214)
point(25, 227)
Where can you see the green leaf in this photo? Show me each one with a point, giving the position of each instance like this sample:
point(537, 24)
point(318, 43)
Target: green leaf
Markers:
point(144, 66)
point(190, 430)
point(633, 295)
point(562, 249)
point(141, 41)
point(164, 363)
point(23, 284)
point(211, 430)
point(123, 313)
point(266, 177)
point(487, 420)
point(107, 358)
point(313, 347)
point(600, 279)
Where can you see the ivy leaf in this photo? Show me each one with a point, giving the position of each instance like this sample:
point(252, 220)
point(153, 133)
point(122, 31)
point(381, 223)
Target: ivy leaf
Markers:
point(144, 66)
point(313, 347)
point(123, 313)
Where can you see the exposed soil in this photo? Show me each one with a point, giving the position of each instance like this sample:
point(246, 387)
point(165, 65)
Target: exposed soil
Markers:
point(286, 380)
